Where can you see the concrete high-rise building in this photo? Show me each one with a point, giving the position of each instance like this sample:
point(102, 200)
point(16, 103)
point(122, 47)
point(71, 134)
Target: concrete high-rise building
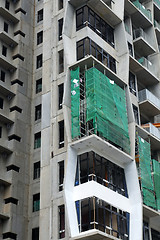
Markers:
point(79, 119)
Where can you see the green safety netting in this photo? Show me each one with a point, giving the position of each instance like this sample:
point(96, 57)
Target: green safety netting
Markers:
point(75, 103)
point(156, 177)
point(145, 170)
point(106, 108)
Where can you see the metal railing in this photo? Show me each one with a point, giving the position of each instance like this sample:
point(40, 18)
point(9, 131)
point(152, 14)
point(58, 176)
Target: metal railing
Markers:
point(142, 8)
point(145, 94)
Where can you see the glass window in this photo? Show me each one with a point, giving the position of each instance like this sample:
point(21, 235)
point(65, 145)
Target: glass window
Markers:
point(40, 15)
point(61, 61)
point(7, 4)
point(3, 75)
point(136, 114)
point(61, 133)
point(39, 85)
point(145, 231)
point(36, 170)
point(61, 221)
point(38, 112)
point(35, 233)
point(39, 37)
point(6, 27)
point(132, 83)
point(36, 202)
point(39, 61)
point(1, 103)
point(60, 4)
point(37, 140)
point(4, 51)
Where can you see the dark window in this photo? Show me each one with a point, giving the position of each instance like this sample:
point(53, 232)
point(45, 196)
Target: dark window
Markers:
point(0, 132)
point(60, 4)
point(39, 85)
point(1, 103)
point(94, 213)
point(136, 115)
point(37, 140)
point(39, 61)
point(36, 170)
point(61, 61)
point(11, 200)
point(35, 233)
point(130, 49)
point(6, 27)
point(86, 17)
point(40, 15)
point(39, 37)
point(88, 47)
point(60, 28)
point(61, 134)
point(36, 202)
point(155, 234)
point(60, 96)
point(3, 75)
point(61, 175)
point(7, 4)
point(10, 235)
point(38, 112)
point(132, 83)
point(4, 51)
point(93, 167)
point(61, 221)
point(145, 231)
point(13, 167)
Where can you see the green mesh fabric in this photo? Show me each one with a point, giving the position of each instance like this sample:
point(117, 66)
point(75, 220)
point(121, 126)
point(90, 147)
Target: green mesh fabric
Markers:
point(156, 177)
point(75, 103)
point(106, 107)
point(146, 177)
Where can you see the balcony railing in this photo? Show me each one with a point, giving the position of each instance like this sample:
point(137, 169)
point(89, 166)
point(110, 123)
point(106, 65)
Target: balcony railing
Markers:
point(157, 2)
point(152, 129)
point(157, 24)
point(144, 61)
point(145, 94)
point(138, 33)
point(145, 11)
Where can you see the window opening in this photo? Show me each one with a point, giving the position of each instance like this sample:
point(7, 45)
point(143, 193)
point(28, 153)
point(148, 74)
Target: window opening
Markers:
point(60, 4)
point(4, 51)
point(3, 76)
point(36, 202)
point(6, 27)
point(132, 83)
point(39, 85)
point(136, 114)
point(39, 37)
point(61, 61)
point(7, 4)
point(93, 167)
point(38, 112)
point(9, 235)
point(60, 28)
point(145, 231)
point(60, 95)
point(39, 61)
point(11, 200)
point(36, 170)
point(40, 15)
point(61, 134)
point(37, 140)
point(61, 221)
point(35, 233)
point(1, 103)
point(13, 167)
point(61, 175)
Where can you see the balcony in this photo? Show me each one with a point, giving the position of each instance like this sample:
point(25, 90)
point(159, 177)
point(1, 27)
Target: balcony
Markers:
point(149, 104)
point(7, 14)
point(140, 15)
point(157, 2)
point(104, 8)
point(157, 29)
point(3, 216)
point(4, 147)
point(4, 182)
point(5, 37)
point(7, 64)
point(141, 43)
point(6, 91)
point(144, 71)
point(152, 129)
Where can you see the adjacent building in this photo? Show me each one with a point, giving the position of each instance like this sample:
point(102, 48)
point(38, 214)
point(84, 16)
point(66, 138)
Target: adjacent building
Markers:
point(79, 119)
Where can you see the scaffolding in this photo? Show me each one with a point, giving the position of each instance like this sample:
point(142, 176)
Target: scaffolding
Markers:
point(156, 178)
point(98, 106)
point(147, 186)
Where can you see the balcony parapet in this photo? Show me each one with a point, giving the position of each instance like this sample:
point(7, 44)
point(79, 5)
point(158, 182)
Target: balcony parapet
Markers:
point(152, 129)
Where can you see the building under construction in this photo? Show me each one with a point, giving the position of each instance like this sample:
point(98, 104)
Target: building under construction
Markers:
point(80, 119)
